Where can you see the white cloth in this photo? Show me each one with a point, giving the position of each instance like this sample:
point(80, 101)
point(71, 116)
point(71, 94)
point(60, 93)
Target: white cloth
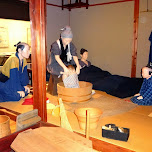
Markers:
point(71, 81)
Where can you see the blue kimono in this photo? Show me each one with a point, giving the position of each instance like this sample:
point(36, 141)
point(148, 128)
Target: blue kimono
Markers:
point(13, 78)
point(145, 92)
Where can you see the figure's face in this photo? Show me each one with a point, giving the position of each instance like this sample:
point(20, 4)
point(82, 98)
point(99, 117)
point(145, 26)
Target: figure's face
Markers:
point(84, 56)
point(66, 41)
point(25, 53)
point(145, 73)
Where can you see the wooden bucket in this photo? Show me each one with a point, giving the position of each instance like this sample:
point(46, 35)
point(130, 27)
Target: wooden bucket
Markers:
point(4, 126)
point(81, 94)
point(95, 114)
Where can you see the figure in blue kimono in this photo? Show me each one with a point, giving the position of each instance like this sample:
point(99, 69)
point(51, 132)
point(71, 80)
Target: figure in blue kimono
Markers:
point(13, 76)
point(144, 97)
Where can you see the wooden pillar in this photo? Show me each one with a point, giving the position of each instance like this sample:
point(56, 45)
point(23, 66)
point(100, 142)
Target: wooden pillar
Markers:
point(38, 47)
point(70, 6)
point(135, 38)
point(62, 4)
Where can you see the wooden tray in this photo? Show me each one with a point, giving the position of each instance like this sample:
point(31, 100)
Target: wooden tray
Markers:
point(48, 139)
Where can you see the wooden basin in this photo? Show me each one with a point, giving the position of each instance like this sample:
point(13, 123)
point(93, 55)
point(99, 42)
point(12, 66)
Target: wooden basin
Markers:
point(4, 126)
point(95, 114)
point(81, 94)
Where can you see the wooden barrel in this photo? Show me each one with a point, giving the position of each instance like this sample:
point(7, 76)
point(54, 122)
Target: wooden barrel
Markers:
point(4, 126)
point(95, 114)
point(81, 94)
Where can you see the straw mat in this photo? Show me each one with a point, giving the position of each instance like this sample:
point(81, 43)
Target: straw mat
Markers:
point(109, 105)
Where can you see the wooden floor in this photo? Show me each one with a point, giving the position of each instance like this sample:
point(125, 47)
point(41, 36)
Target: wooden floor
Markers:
point(138, 120)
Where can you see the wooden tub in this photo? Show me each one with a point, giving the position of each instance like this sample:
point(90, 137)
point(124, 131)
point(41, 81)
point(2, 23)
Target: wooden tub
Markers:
point(81, 94)
point(4, 126)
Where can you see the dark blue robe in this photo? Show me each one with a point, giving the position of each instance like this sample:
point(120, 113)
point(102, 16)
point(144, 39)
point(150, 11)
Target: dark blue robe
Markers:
point(145, 92)
point(17, 79)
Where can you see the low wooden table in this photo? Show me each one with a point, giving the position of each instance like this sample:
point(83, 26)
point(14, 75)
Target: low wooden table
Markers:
point(99, 145)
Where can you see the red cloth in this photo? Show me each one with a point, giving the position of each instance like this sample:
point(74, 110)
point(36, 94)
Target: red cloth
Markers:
point(128, 100)
point(29, 101)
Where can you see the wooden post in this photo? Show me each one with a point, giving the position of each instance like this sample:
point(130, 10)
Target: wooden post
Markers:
point(87, 4)
point(62, 4)
point(70, 6)
point(135, 38)
point(38, 47)
point(87, 123)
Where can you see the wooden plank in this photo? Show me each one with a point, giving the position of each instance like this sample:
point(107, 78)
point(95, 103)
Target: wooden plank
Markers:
point(10, 114)
point(50, 139)
point(38, 46)
point(27, 119)
point(14, 112)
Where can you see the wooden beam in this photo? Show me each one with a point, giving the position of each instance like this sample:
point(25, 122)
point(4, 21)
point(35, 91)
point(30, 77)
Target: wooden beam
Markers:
point(86, 4)
point(12, 114)
point(38, 46)
point(135, 38)
point(114, 2)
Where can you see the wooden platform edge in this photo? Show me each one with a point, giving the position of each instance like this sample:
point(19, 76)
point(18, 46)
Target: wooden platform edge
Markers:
point(12, 114)
point(98, 145)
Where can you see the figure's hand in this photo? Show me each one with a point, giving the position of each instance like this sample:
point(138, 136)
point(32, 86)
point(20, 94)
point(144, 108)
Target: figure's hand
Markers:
point(61, 72)
point(66, 70)
point(27, 89)
point(140, 97)
point(138, 94)
point(80, 67)
point(22, 93)
point(78, 70)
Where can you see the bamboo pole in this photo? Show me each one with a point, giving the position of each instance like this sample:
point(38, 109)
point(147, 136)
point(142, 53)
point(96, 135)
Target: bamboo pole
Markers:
point(87, 123)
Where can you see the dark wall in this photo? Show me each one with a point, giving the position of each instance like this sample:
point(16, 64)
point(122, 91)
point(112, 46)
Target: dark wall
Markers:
point(14, 9)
